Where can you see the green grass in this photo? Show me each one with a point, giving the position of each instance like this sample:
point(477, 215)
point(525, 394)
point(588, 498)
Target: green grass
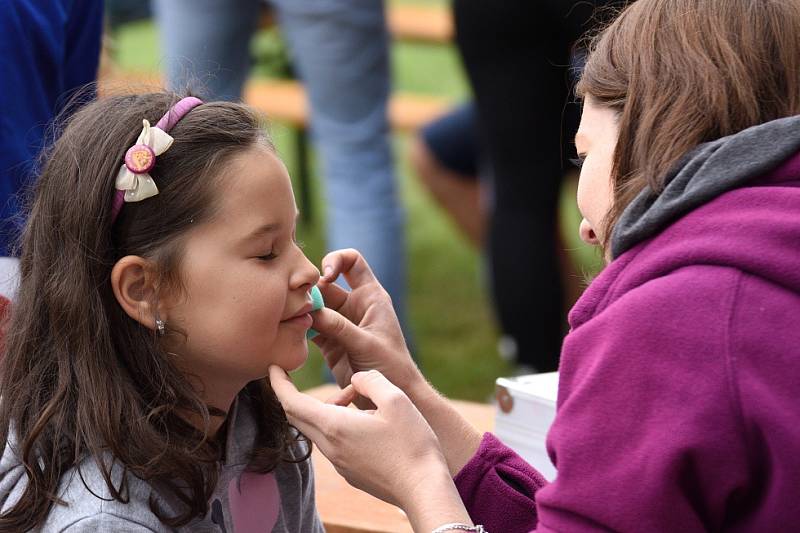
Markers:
point(454, 332)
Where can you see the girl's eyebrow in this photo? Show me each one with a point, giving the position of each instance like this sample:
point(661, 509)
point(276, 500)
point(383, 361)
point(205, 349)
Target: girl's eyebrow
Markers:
point(267, 228)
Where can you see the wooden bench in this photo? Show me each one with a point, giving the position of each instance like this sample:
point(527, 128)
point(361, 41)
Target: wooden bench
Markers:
point(285, 100)
point(431, 24)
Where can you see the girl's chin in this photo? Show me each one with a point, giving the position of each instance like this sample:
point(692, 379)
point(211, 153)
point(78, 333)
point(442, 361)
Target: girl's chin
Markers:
point(293, 361)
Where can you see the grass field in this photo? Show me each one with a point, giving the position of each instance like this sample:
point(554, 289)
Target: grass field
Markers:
point(454, 332)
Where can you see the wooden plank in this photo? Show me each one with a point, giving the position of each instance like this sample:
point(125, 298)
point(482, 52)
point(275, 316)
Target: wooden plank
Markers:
point(409, 112)
point(431, 24)
point(286, 100)
point(113, 81)
point(427, 24)
point(283, 100)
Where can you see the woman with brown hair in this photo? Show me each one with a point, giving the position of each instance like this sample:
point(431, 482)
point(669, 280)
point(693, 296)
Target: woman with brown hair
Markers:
point(677, 407)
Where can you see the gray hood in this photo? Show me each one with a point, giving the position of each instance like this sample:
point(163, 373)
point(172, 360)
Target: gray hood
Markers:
point(706, 172)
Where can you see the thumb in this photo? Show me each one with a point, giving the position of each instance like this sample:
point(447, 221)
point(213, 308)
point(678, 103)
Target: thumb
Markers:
point(332, 324)
point(303, 411)
point(374, 386)
point(343, 397)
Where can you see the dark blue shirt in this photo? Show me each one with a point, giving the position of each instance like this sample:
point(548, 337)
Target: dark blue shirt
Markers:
point(49, 50)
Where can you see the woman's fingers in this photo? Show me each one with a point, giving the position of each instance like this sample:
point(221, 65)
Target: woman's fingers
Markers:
point(384, 452)
point(350, 263)
point(374, 386)
point(332, 352)
point(343, 397)
point(304, 412)
point(335, 296)
point(349, 336)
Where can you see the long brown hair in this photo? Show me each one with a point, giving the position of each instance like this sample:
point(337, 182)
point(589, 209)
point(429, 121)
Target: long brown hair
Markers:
point(81, 379)
point(683, 72)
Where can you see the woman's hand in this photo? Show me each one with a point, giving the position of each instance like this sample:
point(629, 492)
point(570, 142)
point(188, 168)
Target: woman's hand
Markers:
point(389, 452)
point(358, 330)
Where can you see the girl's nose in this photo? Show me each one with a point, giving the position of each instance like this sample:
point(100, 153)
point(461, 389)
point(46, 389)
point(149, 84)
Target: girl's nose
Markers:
point(305, 275)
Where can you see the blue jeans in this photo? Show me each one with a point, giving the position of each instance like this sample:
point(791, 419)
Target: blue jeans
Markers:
point(340, 51)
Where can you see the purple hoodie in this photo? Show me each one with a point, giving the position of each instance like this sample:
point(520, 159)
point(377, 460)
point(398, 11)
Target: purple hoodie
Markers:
point(679, 399)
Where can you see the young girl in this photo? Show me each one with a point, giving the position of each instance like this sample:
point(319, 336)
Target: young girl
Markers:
point(679, 380)
point(160, 279)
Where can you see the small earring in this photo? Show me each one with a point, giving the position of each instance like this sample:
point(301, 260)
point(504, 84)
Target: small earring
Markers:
point(161, 327)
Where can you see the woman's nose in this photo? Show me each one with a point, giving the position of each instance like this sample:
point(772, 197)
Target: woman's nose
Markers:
point(587, 233)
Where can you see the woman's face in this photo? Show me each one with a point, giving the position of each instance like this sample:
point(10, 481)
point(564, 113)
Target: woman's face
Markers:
point(595, 142)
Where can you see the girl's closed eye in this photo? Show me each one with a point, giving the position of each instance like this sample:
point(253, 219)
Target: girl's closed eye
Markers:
point(272, 255)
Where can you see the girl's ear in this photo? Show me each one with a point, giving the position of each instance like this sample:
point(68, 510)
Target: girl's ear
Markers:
point(133, 281)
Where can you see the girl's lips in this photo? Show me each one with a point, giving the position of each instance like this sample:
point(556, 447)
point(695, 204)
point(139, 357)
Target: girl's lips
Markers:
point(303, 321)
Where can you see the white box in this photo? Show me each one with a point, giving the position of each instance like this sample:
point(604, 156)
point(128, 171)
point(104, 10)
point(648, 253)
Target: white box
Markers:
point(525, 409)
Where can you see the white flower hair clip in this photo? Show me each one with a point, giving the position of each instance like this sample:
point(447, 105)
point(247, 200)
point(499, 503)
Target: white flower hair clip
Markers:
point(133, 177)
point(133, 183)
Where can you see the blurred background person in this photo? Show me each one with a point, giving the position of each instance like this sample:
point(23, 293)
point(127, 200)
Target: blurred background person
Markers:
point(518, 56)
point(50, 50)
point(446, 156)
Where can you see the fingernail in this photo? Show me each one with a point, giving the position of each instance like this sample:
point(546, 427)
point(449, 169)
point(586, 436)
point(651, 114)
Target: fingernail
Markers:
point(327, 270)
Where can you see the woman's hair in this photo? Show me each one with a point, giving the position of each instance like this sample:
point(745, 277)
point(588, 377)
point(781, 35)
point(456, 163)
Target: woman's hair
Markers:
point(682, 72)
point(80, 379)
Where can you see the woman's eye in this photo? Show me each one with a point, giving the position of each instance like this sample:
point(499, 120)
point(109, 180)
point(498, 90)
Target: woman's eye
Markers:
point(267, 257)
point(577, 161)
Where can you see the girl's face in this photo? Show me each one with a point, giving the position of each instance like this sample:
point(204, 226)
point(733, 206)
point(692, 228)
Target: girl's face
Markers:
point(595, 142)
point(245, 303)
